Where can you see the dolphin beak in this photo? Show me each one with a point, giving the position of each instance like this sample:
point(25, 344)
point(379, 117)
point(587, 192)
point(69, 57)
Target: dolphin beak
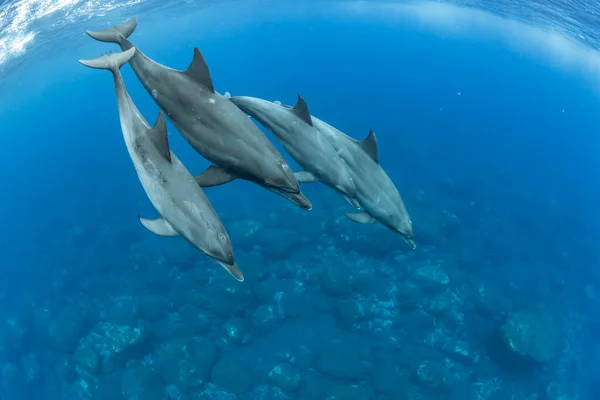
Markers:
point(297, 198)
point(233, 271)
point(411, 243)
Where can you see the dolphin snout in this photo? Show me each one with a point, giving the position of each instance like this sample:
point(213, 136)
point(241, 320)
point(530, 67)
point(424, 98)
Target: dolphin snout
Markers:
point(299, 199)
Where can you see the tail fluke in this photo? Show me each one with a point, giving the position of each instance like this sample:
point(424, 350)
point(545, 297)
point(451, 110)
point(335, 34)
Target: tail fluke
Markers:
point(115, 33)
point(112, 61)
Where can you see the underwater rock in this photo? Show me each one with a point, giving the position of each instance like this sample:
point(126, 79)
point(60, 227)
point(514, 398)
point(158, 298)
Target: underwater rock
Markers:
point(449, 226)
point(64, 368)
point(197, 321)
point(280, 243)
point(349, 311)
point(345, 392)
point(336, 278)
point(266, 290)
point(42, 318)
point(561, 391)
point(458, 350)
point(433, 378)
point(234, 329)
point(408, 297)
point(341, 358)
point(107, 387)
point(123, 311)
point(389, 379)
point(266, 317)
point(227, 297)
point(86, 356)
point(170, 327)
point(291, 298)
point(440, 303)
point(31, 367)
point(13, 382)
point(154, 307)
point(232, 375)
point(432, 278)
point(530, 335)
point(119, 338)
point(66, 330)
point(286, 376)
point(490, 304)
point(138, 382)
point(185, 363)
point(368, 282)
point(211, 392)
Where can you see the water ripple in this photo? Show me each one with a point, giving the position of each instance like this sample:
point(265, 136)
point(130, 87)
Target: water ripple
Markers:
point(21, 21)
point(46, 22)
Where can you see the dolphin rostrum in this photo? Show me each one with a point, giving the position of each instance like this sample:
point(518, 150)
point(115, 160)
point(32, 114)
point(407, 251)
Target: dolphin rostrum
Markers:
point(172, 190)
point(375, 191)
point(311, 150)
point(212, 125)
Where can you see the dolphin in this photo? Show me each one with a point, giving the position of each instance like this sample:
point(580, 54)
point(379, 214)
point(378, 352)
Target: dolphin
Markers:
point(183, 207)
point(375, 191)
point(311, 150)
point(211, 124)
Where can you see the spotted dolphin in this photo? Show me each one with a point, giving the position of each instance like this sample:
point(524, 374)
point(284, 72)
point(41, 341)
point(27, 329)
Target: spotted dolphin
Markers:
point(183, 207)
point(311, 150)
point(375, 191)
point(211, 124)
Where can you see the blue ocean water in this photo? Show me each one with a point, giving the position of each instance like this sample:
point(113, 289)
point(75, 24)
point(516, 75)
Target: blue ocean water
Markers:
point(485, 114)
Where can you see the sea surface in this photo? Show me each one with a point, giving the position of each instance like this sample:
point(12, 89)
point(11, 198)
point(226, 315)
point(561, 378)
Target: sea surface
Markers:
point(486, 118)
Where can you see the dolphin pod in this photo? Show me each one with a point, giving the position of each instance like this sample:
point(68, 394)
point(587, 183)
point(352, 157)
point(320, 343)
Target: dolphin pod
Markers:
point(172, 190)
point(294, 129)
point(374, 189)
point(212, 125)
point(217, 127)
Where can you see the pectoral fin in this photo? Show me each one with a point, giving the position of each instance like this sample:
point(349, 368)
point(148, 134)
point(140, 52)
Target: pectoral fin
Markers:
point(353, 202)
point(362, 217)
point(158, 226)
point(233, 270)
point(305, 177)
point(214, 176)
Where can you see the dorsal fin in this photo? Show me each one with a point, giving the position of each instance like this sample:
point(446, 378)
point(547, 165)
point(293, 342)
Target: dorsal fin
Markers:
point(369, 145)
point(158, 135)
point(198, 71)
point(301, 110)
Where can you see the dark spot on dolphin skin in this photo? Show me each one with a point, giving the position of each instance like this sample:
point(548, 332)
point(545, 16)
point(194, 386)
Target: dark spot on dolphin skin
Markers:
point(147, 164)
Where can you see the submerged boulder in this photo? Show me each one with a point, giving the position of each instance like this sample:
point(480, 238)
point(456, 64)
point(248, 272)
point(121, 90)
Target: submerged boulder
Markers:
point(531, 335)
point(232, 375)
point(525, 339)
point(119, 338)
point(286, 376)
point(139, 382)
point(432, 278)
point(185, 363)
